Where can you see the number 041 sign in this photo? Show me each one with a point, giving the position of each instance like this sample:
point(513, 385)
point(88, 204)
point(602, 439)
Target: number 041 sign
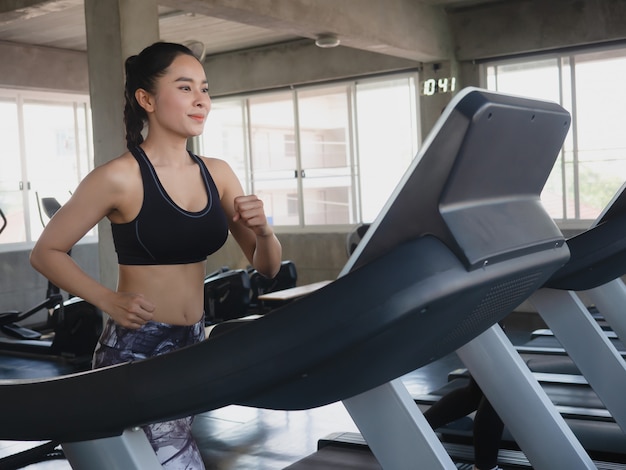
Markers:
point(437, 85)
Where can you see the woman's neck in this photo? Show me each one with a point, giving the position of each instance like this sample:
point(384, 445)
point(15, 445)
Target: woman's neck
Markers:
point(165, 150)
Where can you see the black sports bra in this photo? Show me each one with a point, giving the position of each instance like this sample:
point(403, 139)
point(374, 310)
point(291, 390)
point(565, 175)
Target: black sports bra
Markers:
point(164, 233)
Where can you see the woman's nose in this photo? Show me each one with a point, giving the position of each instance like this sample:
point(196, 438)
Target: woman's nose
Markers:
point(202, 99)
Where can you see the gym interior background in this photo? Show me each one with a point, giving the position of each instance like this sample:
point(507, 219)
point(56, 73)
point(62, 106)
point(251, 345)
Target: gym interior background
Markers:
point(321, 133)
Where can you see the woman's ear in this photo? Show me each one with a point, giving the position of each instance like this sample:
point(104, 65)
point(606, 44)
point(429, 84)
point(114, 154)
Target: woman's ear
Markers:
point(144, 99)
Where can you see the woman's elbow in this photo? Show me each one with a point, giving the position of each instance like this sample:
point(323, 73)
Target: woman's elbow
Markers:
point(38, 256)
point(35, 257)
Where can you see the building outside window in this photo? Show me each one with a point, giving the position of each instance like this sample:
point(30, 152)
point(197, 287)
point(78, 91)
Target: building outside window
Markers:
point(592, 165)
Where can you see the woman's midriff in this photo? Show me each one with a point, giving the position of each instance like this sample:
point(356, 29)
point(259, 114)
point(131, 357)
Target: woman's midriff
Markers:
point(177, 290)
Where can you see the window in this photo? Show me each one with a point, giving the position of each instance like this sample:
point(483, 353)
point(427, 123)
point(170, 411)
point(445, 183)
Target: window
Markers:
point(274, 170)
point(323, 155)
point(592, 165)
point(11, 173)
point(387, 138)
point(225, 136)
point(47, 151)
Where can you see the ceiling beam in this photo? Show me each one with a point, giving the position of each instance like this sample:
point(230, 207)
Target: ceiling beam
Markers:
point(15, 10)
point(299, 63)
point(511, 28)
point(402, 28)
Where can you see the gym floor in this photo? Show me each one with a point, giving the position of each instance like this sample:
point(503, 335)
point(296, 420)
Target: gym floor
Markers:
point(240, 438)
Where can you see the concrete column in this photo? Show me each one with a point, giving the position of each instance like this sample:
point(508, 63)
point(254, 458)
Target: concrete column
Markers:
point(116, 29)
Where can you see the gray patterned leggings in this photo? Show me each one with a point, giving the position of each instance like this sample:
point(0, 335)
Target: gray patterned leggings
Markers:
point(171, 440)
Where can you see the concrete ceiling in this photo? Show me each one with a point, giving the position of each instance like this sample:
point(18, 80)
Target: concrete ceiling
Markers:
point(412, 29)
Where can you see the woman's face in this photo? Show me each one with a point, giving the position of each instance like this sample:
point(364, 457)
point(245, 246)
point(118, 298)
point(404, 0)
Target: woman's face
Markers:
point(181, 101)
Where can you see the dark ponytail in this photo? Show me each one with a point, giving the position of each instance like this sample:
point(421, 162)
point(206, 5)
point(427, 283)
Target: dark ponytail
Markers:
point(142, 71)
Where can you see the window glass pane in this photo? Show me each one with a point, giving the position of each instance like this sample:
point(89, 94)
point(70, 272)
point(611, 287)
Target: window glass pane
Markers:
point(11, 174)
point(306, 167)
point(83, 123)
point(600, 104)
point(387, 139)
point(540, 79)
point(10, 170)
point(588, 174)
point(325, 155)
point(274, 157)
point(225, 137)
point(51, 156)
point(535, 79)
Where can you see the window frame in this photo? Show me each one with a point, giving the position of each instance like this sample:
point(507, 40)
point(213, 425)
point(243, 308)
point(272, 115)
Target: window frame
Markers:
point(567, 60)
point(352, 142)
point(79, 102)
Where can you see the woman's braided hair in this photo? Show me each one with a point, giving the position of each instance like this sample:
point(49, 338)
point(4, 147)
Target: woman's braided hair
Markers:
point(142, 71)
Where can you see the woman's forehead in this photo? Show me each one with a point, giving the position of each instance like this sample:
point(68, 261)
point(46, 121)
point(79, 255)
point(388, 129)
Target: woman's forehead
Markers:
point(186, 66)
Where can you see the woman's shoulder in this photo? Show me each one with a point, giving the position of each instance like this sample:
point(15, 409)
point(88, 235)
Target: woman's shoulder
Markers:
point(121, 162)
point(214, 162)
point(222, 173)
point(219, 168)
point(117, 172)
point(119, 166)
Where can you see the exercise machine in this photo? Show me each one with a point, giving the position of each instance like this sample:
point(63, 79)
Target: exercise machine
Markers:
point(462, 241)
point(226, 295)
point(286, 278)
point(4, 221)
point(9, 320)
point(598, 258)
point(230, 294)
point(70, 330)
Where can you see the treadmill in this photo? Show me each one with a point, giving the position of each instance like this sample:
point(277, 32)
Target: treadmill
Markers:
point(462, 241)
point(582, 393)
point(598, 260)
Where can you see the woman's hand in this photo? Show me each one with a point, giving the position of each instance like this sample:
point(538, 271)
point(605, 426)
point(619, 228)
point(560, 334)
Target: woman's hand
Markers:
point(266, 250)
point(130, 310)
point(249, 211)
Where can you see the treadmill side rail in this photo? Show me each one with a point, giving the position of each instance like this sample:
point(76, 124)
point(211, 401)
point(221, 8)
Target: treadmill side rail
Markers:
point(524, 407)
point(129, 451)
point(395, 429)
point(595, 356)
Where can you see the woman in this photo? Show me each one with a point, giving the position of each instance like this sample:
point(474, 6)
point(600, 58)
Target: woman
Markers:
point(169, 210)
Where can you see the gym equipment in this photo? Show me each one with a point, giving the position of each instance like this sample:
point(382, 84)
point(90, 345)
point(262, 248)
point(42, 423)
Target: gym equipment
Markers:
point(77, 325)
point(226, 295)
point(72, 326)
point(598, 257)
point(590, 422)
point(286, 278)
point(355, 237)
point(597, 262)
point(9, 319)
point(454, 250)
point(4, 221)
point(234, 293)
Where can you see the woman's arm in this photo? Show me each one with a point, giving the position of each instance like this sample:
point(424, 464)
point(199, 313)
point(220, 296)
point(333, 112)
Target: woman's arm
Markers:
point(266, 249)
point(95, 198)
point(247, 221)
point(72, 221)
